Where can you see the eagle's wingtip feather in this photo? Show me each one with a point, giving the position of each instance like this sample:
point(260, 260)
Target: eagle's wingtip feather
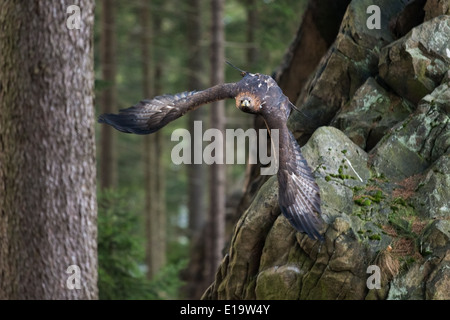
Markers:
point(306, 225)
point(122, 122)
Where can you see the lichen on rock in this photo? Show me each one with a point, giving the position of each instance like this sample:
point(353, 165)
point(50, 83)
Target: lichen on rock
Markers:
point(380, 111)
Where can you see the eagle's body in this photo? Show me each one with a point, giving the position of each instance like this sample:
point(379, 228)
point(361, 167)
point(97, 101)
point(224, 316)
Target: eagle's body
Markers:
point(298, 194)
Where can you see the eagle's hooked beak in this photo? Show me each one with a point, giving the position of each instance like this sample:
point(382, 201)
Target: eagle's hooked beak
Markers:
point(245, 103)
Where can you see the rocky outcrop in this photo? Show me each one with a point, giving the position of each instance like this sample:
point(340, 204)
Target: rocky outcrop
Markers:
point(434, 8)
point(381, 109)
point(349, 62)
point(420, 57)
point(379, 147)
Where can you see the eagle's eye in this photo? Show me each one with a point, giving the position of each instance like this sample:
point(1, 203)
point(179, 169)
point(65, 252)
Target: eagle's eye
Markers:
point(245, 103)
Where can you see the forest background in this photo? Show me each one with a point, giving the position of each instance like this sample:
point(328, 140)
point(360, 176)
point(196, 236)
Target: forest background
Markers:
point(152, 217)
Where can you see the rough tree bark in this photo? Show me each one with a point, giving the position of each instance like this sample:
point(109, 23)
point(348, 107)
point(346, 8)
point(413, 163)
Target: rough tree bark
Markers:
point(108, 163)
point(47, 152)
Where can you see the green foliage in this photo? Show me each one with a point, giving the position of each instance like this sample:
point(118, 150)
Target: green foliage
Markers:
point(363, 202)
point(121, 254)
point(167, 282)
point(375, 237)
point(340, 175)
point(367, 199)
point(119, 250)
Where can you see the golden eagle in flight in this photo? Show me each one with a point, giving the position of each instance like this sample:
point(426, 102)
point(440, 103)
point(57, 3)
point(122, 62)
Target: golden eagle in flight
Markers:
point(298, 193)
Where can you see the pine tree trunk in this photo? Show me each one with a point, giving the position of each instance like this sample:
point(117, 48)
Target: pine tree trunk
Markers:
point(159, 172)
point(108, 161)
point(161, 244)
point(155, 218)
point(193, 275)
point(252, 21)
point(196, 172)
point(216, 225)
point(47, 153)
point(251, 57)
point(149, 144)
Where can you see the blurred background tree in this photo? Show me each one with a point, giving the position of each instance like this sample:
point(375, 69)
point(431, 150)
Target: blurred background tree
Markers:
point(175, 59)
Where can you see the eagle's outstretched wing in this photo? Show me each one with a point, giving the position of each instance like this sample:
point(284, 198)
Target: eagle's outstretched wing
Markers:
point(149, 116)
point(299, 195)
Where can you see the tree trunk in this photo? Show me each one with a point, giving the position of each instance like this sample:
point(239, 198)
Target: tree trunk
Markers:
point(252, 22)
point(47, 152)
point(108, 163)
point(196, 172)
point(216, 225)
point(256, 120)
point(154, 174)
point(193, 276)
point(159, 172)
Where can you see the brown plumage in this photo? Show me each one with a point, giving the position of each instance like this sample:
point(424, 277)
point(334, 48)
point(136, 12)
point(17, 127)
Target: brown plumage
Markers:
point(298, 195)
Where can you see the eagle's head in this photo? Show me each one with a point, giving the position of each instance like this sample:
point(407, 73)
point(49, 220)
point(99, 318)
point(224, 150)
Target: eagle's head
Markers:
point(260, 94)
point(248, 103)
